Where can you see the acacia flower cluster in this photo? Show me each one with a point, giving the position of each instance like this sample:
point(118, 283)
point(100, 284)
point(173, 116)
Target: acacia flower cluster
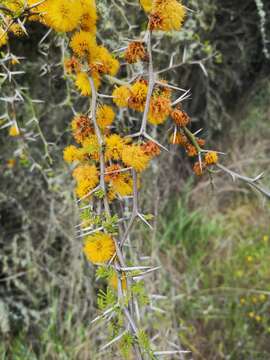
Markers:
point(107, 165)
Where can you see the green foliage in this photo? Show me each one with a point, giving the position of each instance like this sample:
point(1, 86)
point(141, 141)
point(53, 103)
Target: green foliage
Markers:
point(99, 193)
point(256, 120)
point(110, 224)
point(145, 344)
point(225, 297)
point(139, 291)
point(106, 299)
point(126, 345)
point(188, 231)
point(103, 272)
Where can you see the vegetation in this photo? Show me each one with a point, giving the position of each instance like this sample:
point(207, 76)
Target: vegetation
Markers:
point(204, 291)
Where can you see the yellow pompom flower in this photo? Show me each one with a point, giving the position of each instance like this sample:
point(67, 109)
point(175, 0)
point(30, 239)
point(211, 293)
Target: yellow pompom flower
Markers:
point(83, 83)
point(99, 248)
point(211, 158)
point(103, 61)
point(3, 37)
point(87, 178)
point(134, 156)
point(120, 182)
point(83, 44)
point(160, 108)
point(138, 95)
point(167, 15)
point(147, 5)
point(71, 154)
point(14, 131)
point(89, 15)
point(105, 116)
point(86, 172)
point(122, 185)
point(38, 12)
point(63, 15)
point(121, 95)
point(114, 147)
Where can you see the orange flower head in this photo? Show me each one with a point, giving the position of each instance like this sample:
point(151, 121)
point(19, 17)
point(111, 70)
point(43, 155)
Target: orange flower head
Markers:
point(81, 128)
point(180, 117)
point(179, 139)
point(112, 172)
point(150, 149)
point(198, 168)
point(72, 65)
point(156, 21)
point(191, 150)
point(103, 62)
point(201, 142)
point(164, 91)
point(136, 52)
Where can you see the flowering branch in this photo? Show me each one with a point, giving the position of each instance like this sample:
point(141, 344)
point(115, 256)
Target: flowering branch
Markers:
point(107, 165)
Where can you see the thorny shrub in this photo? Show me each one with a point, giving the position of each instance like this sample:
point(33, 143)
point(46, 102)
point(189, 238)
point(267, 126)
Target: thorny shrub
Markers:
point(108, 160)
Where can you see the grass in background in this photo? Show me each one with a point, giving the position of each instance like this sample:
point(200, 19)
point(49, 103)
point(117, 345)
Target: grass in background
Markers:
point(223, 290)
